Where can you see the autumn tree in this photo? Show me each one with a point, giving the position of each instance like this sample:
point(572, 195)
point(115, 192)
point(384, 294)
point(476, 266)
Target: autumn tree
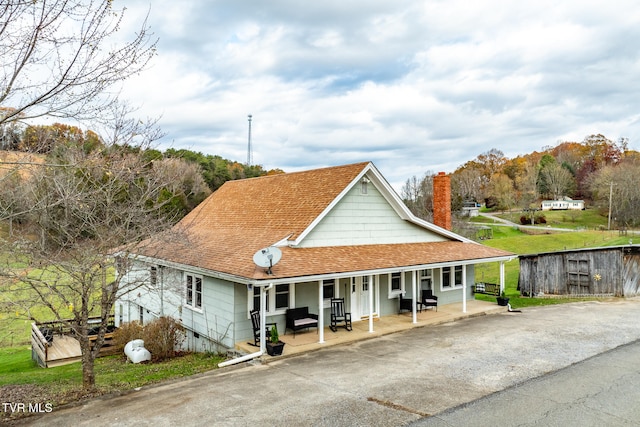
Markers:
point(79, 209)
point(44, 138)
point(502, 190)
point(61, 58)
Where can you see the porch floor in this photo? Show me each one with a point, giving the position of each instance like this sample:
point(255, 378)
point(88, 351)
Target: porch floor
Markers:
point(306, 341)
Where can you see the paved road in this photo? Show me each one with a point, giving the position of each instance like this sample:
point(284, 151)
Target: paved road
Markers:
point(601, 391)
point(390, 381)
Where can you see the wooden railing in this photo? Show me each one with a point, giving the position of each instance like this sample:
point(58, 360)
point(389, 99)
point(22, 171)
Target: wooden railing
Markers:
point(39, 345)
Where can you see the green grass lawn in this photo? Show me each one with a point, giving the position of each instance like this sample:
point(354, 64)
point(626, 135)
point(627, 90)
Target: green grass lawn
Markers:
point(22, 380)
point(590, 219)
point(62, 384)
point(513, 240)
point(112, 372)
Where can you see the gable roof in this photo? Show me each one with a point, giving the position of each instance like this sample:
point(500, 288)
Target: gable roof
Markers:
point(282, 206)
point(223, 232)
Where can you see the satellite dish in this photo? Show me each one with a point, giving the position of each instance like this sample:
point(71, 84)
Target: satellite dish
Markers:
point(267, 257)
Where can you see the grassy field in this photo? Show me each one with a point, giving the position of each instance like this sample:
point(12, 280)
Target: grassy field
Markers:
point(21, 380)
point(588, 219)
point(513, 240)
point(113, 373)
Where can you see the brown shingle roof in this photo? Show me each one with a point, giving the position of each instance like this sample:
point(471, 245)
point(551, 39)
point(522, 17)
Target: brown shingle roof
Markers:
point(280, 205)
point(299, 262)
point(243, 216)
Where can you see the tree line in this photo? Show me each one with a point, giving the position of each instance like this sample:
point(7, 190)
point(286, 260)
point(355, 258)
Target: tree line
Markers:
point(597, 170)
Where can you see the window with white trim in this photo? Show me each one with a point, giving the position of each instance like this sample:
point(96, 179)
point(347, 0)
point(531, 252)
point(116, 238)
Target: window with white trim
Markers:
point(277, 299)
point(457, 275)
point(153, 276)
point(193, 291)
point(282, 297)
point(396, 284)
point(256, 298)
point(446, 277)
point(451, 277)
point(328, 289)
point(426, 279)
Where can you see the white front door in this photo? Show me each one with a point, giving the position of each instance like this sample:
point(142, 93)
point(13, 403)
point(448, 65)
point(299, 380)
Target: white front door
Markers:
point(360, 297)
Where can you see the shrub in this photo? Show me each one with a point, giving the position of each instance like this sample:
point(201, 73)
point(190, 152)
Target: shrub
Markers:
point(162, 337)
point(127, 332)
point(274, 335)
point(538, 219)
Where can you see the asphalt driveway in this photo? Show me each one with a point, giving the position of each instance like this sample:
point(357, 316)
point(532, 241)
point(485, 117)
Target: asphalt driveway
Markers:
point(390, 381)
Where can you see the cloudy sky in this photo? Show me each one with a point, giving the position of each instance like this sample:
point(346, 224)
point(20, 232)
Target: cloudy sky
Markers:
point(413, 86)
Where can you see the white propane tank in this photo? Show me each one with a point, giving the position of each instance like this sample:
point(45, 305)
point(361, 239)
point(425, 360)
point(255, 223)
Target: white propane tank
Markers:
point(136, 352)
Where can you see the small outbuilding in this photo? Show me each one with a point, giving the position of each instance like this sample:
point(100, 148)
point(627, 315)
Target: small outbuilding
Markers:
point(611, 270)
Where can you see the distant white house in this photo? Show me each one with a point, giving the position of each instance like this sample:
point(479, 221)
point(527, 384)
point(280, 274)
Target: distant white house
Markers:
point(564, 204)
point(470, 209)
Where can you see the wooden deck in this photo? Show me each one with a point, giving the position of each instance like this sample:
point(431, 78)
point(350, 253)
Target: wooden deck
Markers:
point(64, 348)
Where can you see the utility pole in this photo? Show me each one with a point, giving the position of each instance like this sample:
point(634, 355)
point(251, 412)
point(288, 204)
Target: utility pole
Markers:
point(249, 148)
point(610, 199)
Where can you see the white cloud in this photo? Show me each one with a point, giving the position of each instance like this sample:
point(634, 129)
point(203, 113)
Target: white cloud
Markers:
point(413, 86)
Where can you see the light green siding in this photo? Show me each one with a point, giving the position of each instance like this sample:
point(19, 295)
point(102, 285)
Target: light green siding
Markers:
point(361, 219)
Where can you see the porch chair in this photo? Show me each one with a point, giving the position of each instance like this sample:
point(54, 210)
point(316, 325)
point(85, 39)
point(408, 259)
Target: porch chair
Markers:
point(255, 321)
point(407, 304)
point(429, 299)
point(338, 315)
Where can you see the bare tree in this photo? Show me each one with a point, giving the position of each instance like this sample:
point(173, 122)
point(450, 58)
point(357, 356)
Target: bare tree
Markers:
point(418, 195)
point(77, 213)
point(467, 183)
point(61, 57)
point(526, 184)
point(557, 181)
point(615, 187)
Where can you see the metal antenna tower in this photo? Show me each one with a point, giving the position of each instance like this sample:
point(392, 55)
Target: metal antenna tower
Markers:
point(249, 149)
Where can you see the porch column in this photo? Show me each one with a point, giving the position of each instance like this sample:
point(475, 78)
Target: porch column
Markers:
point(501, 277)
point(415, 294)
point(370, 303)
point(320, 313)
point(464, 288)
point(263, 316)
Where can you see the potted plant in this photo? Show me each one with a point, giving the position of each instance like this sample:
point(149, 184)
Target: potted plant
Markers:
point(502, 299)
point(274, 345)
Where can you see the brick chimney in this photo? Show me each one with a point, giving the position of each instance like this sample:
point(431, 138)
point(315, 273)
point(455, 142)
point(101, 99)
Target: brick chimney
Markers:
point(442, 200)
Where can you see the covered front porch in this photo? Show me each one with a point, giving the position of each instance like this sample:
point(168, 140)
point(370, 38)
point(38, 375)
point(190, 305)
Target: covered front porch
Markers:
point(305, 341)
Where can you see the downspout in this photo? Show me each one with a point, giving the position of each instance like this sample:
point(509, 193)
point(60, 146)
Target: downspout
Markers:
point(251, 356)
point(161, 277)
point(321, 312)
point(414, 289)
point(370, 303)
point(464, 288)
